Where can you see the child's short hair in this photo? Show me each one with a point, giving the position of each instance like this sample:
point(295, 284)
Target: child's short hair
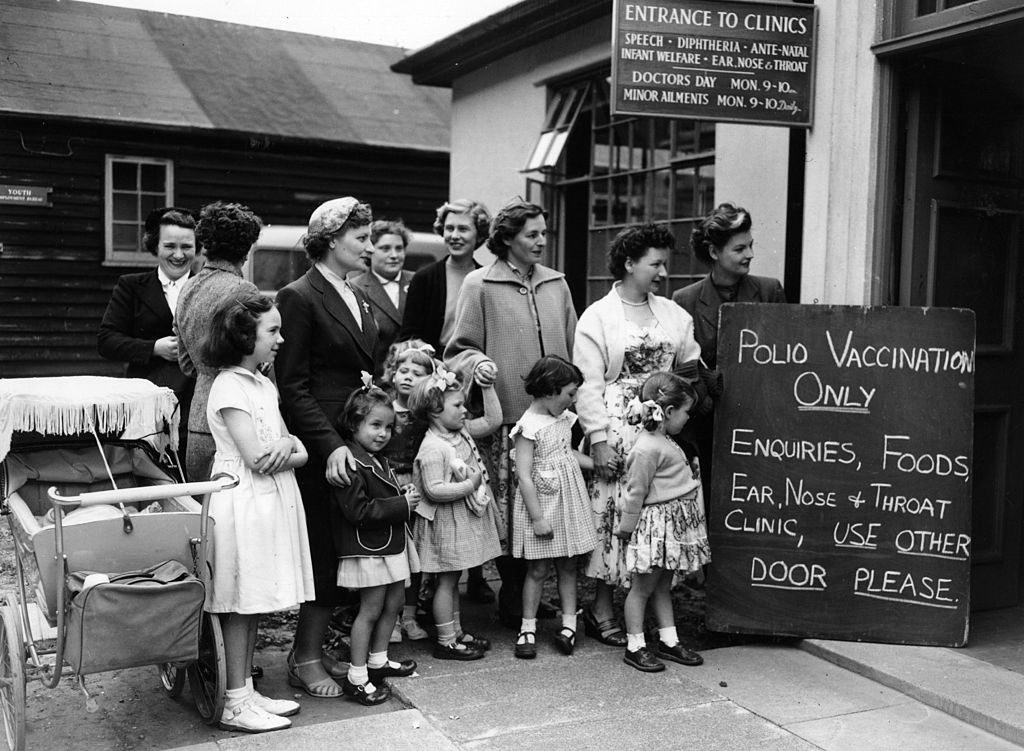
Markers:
point(549, 375)
point(232, 333)
point(360, 403)
point(416, 350)
point(427, 397)
point(665, 390)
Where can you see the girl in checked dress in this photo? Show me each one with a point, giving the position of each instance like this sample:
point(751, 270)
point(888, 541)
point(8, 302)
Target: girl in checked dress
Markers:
point(551, 512)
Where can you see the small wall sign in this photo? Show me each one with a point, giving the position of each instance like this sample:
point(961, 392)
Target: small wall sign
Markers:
point(25, 195)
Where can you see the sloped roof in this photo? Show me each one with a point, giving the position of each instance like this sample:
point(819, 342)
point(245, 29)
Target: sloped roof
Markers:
point(94, 62)
point(514, 28)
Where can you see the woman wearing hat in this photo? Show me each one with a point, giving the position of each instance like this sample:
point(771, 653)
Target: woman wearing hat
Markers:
point(329, 338)
point(138, 325)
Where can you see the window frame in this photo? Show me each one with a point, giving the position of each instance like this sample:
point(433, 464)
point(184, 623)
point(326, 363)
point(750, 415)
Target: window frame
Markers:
point(904, 27)
point(138, 257)
point(635, 163)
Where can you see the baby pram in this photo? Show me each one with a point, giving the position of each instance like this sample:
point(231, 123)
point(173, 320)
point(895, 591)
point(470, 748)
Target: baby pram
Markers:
point(119, 546)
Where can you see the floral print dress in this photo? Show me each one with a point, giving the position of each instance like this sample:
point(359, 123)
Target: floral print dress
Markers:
point(648, 350)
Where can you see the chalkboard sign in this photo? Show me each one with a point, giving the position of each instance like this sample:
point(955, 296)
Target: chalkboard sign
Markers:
point(840, 500)
point(723, 60)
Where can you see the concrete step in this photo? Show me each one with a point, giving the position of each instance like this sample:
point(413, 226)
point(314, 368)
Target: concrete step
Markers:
point(984, 695)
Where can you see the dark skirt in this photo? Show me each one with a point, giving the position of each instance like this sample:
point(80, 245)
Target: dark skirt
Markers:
point(319, 519)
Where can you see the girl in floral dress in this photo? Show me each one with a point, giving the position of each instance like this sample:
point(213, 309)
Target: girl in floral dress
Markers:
point(662, 520)
point(621, 339)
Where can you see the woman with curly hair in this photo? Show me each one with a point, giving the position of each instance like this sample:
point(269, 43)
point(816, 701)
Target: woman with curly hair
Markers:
point(510, 314)
point(434, 290)
point(226, 231)
point(723, 241)
point(621, 339)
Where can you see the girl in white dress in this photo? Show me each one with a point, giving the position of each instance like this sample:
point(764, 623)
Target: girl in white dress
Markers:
point(260, 560)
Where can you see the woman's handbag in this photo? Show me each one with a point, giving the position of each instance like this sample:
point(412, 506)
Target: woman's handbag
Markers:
point(138, 618)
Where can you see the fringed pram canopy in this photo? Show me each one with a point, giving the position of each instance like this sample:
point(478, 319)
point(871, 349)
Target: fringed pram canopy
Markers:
point(126, 407)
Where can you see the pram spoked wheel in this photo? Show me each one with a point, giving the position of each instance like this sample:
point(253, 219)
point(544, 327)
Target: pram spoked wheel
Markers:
point(207, 676)
point(12, 675)
point(172, 678)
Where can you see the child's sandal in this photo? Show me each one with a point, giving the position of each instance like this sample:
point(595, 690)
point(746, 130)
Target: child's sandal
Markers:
point(526, 645)
point(565, 640)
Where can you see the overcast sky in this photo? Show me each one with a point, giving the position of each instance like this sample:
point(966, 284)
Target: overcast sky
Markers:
point(402, 23)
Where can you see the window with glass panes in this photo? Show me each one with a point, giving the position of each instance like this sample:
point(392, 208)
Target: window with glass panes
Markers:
point(628, 170)
point(135, 186)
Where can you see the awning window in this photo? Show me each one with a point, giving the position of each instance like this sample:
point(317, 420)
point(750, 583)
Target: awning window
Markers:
point(562, 115)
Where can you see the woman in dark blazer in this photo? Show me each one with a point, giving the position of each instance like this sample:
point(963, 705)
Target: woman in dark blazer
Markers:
point(429, 313)
point(137, 327)
point(723, 241)
point(329, 338)
point(390, 238)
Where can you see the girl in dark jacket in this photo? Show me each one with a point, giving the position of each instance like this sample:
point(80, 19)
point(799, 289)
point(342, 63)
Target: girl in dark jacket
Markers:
point(369, 520)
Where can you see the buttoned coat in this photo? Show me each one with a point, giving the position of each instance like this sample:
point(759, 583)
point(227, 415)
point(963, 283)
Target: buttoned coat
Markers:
point(136, 316)
point(702, 301)
point(387, 317)
point(216, 282)
point(493, 322)
point(371, 512)
point(317, 366)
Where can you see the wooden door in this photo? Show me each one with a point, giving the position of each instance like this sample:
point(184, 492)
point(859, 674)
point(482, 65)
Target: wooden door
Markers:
point(962, 241)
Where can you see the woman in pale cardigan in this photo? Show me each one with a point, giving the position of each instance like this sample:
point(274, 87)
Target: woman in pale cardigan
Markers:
point(620, 340)
point(510, 314)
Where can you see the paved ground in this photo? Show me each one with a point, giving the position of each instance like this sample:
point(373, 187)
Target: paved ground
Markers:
point(771, 695)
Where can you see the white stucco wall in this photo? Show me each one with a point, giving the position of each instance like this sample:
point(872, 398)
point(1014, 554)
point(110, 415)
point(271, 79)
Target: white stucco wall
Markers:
point(498, 112)
point(840, 204)
point(751, 170)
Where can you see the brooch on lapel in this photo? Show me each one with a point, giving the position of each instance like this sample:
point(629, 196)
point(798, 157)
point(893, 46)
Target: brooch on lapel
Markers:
point(366, 307)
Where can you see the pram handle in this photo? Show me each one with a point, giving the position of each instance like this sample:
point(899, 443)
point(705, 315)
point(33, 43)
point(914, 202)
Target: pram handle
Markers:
point(220, 481)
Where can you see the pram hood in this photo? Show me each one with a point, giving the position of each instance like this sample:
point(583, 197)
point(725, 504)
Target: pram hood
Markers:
point(129, 408)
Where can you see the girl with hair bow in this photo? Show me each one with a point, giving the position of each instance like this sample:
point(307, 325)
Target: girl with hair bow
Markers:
point(662, 519)
point(457, 526)
point(407, 364)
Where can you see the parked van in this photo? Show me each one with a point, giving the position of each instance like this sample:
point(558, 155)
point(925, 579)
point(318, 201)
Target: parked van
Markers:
point(278, 257)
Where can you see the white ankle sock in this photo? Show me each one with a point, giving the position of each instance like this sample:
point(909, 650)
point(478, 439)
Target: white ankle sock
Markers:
point(668, 636)
point(377, 660)
point(635, 641)
point(235, 696)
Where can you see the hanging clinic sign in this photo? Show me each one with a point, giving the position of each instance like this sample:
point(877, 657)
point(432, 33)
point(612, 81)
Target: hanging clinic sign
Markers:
point(749, 62)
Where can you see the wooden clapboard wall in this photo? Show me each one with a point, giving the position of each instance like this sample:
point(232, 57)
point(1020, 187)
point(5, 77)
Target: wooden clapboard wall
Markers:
point(54, 286)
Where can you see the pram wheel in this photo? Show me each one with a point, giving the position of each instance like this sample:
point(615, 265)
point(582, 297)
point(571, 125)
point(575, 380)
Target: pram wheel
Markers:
point(207, 676)
point(12, 675)
point(172, 678)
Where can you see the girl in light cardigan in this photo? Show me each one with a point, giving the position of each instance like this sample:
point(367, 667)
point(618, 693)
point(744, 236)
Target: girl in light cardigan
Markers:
point(621, 339)
point(662, 519)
